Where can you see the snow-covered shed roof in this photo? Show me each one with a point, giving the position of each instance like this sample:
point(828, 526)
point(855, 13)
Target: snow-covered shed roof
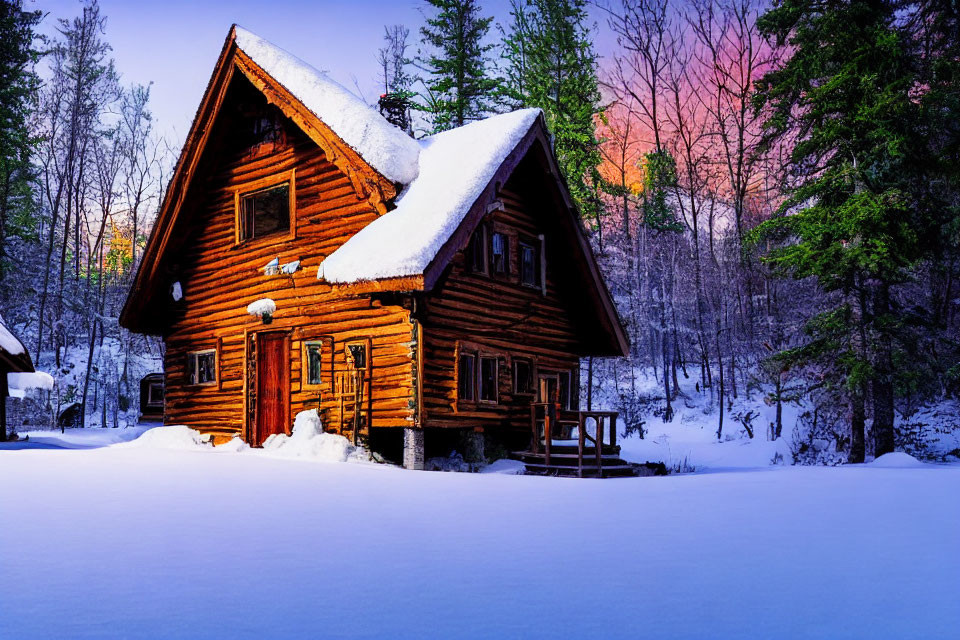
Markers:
point(455, 168)
point(13, 355)
point(383, 146)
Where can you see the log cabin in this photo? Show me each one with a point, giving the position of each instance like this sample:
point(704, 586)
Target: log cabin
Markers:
point(308, 254)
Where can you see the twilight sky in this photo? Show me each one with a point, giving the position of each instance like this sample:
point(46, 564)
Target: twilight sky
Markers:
point(175, 43)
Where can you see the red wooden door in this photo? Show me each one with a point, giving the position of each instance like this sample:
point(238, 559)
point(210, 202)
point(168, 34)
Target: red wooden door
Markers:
point(273, 386)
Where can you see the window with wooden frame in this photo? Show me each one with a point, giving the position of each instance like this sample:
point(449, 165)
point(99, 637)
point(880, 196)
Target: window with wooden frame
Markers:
point(530, 263)
point(467, 376)
point(499, 254)
point(202, 367)
point(357, 354)
point(477, 251)
point(266, 208)
point(155, 393)
point(312, 368)
point(569, 391)
point(522, 376)
point(488, 379)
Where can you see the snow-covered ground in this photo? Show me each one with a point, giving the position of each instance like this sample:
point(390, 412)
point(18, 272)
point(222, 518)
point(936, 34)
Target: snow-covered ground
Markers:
point(148, 541)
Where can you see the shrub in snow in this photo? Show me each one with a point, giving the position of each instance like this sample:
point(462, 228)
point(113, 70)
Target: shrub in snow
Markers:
point(897, 460)
point(453, 462)
point(309, 441)
point(172, 437)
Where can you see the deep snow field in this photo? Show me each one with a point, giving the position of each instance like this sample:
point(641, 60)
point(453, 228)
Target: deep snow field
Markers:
point(143, 540)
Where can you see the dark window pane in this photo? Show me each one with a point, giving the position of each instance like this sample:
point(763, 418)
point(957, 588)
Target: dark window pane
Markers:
point(357, 355)
point(314, 363)
point(477, 257)
point(206, 367)
point(565, 389)
point(529, 267)
point(467, 377)
point(498, 253)
point(488, 379)
point(522, 376)
point(265, 212)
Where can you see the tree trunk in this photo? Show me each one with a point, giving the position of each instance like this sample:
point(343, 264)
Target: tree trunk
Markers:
point(882, 384)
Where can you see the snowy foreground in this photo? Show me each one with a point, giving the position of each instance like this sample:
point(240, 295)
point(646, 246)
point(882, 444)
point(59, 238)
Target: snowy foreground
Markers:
point(141, 541)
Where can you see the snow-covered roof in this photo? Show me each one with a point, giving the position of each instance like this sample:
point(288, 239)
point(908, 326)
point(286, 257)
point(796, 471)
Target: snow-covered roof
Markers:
point(455, 167)
point(383, 146)
point(9, 342)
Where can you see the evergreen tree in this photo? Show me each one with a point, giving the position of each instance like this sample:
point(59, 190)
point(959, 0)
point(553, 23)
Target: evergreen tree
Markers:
point(18, 87)
point(550, 64)
point(457, 87)
point(844, 94)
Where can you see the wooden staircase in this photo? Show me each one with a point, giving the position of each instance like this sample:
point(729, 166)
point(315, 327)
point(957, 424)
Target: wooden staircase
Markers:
point(565, 461)
point(586, 457)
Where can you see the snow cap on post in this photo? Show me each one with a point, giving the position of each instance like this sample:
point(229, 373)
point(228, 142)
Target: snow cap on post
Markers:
point(387, 149)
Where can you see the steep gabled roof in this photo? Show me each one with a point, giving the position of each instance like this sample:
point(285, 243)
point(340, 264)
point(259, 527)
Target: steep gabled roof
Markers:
point(383, 146)
point(455, 168)
point(461, 170)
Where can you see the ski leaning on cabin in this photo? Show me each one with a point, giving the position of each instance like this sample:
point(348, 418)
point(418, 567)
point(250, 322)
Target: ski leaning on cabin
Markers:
point(309, 254)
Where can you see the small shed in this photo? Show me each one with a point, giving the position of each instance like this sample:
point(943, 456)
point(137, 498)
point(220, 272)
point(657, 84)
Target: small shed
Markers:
point(151, 397)
point(13, 359)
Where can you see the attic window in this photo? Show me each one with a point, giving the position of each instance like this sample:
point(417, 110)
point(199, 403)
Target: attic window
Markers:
point(263, 212)
point(499, 254)
point(530, 264)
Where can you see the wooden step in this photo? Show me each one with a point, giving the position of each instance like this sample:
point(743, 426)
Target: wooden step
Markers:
point(624, 470)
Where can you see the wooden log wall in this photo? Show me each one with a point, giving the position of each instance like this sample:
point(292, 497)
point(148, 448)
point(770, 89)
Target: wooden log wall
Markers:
point(498, 316)
point(220, 278)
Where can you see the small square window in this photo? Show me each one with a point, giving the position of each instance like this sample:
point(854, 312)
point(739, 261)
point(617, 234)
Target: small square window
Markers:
point(522, 376)
point(357, 355)
point(314, 362)
point(529, 265)
point(467, 377)
point(265, 212)
point(488, 379)
point(202, 367)
point(499, 254)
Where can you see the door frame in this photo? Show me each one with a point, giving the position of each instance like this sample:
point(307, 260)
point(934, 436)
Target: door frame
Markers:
point(250, 411)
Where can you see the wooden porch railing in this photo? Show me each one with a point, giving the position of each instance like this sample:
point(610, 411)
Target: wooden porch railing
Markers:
point(606, 422)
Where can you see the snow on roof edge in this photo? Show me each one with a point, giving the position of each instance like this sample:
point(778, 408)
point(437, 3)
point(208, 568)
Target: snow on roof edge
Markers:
point(455, 167)
point(9, 342)
point(385, 147)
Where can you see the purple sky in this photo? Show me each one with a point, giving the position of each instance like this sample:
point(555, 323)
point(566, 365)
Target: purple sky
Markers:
point(175, 43)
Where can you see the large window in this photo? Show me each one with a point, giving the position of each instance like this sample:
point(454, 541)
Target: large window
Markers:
point(265, 212)
point(488, 379)
point(202, 367)
point(467, 377)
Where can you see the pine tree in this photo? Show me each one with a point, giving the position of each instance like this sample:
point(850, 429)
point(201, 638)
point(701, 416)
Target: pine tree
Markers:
point(550, 63)
point(457, 87)
point(18, 86)
point(844, 95)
